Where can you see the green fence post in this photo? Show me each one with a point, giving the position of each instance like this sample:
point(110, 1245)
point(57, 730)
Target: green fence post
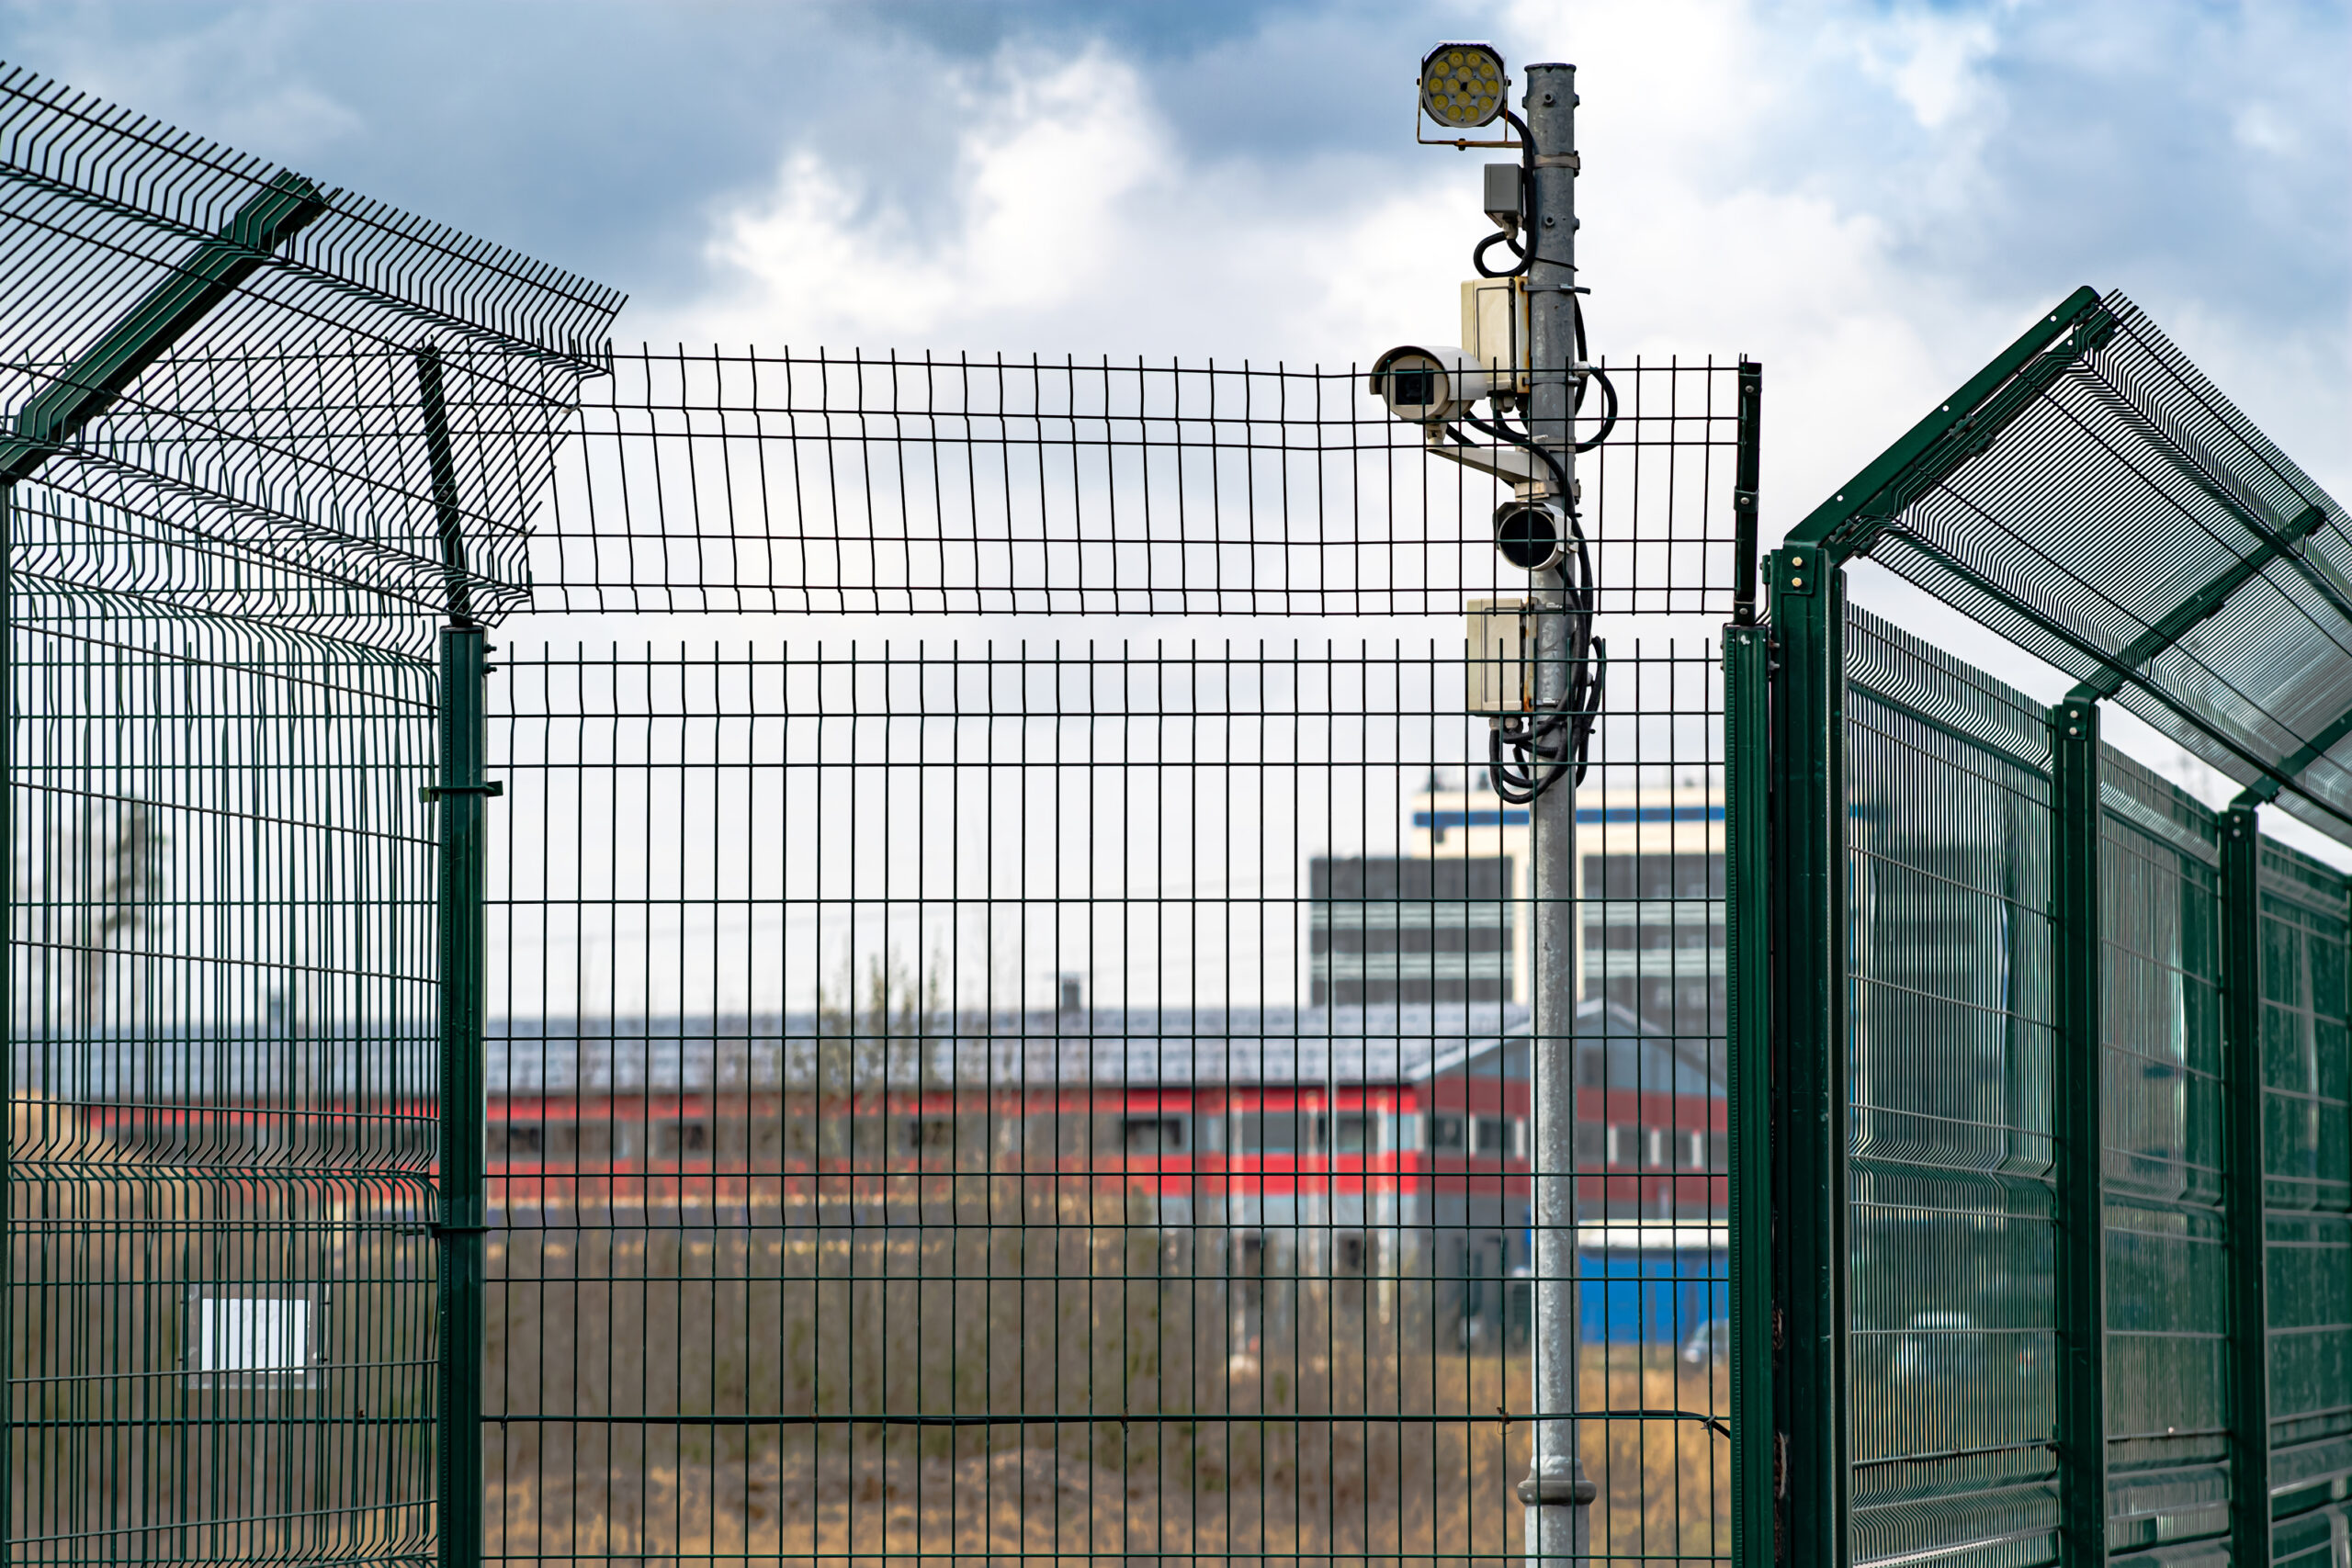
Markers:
point(2077, 829)
point(461, 796)
point(2243, 1184)
point(1813, 1414)
point(1748, 948)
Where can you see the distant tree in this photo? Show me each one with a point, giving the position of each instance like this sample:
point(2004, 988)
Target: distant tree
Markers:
point(883, 1037)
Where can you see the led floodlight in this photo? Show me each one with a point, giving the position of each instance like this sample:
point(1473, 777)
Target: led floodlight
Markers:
point(1461, 85)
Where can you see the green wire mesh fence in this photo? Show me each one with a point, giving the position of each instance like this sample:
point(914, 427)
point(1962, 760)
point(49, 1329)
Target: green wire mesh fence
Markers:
point(774, 1098)
point(2054, 1056)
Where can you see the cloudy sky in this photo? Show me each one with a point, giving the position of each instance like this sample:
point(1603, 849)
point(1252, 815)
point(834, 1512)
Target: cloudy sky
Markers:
point(1867, 196)
point(1870, 198)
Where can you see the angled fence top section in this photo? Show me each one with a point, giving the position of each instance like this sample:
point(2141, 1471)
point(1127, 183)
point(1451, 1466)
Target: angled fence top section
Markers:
point(2093, 498)
point(225, 381)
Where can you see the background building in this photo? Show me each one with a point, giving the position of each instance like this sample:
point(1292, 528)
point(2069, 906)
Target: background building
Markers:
point(1447, 918)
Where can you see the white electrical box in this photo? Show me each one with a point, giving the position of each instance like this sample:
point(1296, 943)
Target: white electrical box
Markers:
point(1494, 328)
point(1502, 680)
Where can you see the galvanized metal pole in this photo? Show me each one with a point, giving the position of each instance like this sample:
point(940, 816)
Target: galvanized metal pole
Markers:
point(1557, 1495)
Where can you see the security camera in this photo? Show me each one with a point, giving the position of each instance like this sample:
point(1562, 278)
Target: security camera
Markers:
point(1531, 534)
point(1430, 385)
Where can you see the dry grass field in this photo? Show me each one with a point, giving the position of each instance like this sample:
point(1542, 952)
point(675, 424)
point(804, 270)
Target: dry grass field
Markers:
point(1262, 1417)
point(1082, 1392)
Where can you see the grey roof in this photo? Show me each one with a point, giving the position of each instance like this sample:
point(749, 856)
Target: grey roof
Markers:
point(1135, 1046)
point(1139, 1047)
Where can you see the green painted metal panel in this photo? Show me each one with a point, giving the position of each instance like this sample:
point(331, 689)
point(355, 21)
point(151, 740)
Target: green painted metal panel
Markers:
point(220, 1140)
point(2306, 1133)
point(1951, 1070)
point(87, 386)
point(2171, 1472)
point(1956, 430)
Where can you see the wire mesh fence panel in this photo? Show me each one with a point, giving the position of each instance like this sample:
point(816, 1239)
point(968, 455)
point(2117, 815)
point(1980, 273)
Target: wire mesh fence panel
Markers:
point(1036, 1100)
point(2080, 1250)
point(261, 432)
point(1041, 1098)
point(871, 484)
point(219, 1312)
point(1949, 1059)
point(2169, 1388)
point(2307, 1146)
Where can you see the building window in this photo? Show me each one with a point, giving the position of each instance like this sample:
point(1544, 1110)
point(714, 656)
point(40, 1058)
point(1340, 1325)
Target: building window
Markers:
point(1493, 1136)
point(1152, 1134)
point(681, 1140)
point(931, 1135)
point(526, 1140)
point(1448, 1135)
point(1262, 1132)
point(1588, 1147)
point(1358, 1133)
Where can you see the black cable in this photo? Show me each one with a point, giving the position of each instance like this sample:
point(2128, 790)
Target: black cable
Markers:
point(1503, 237)
point(1609, 417)
point(1526, 187)
point(1553, 742)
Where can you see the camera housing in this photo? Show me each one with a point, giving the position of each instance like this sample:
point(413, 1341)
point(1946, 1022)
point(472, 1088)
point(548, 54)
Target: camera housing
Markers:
point(1431, 385)
point(1531, 534)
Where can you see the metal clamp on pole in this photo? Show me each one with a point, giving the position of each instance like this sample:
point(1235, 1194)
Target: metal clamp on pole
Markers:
point(432, 792)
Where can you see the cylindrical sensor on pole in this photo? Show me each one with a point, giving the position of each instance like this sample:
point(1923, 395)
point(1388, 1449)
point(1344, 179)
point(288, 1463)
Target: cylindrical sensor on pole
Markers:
point(1531, 534)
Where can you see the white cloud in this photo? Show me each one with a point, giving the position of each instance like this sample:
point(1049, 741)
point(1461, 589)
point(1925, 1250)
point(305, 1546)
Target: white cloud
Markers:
point(1806, 185)
point(1056, 151)
point(1075, 222)
point(1930, 61)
